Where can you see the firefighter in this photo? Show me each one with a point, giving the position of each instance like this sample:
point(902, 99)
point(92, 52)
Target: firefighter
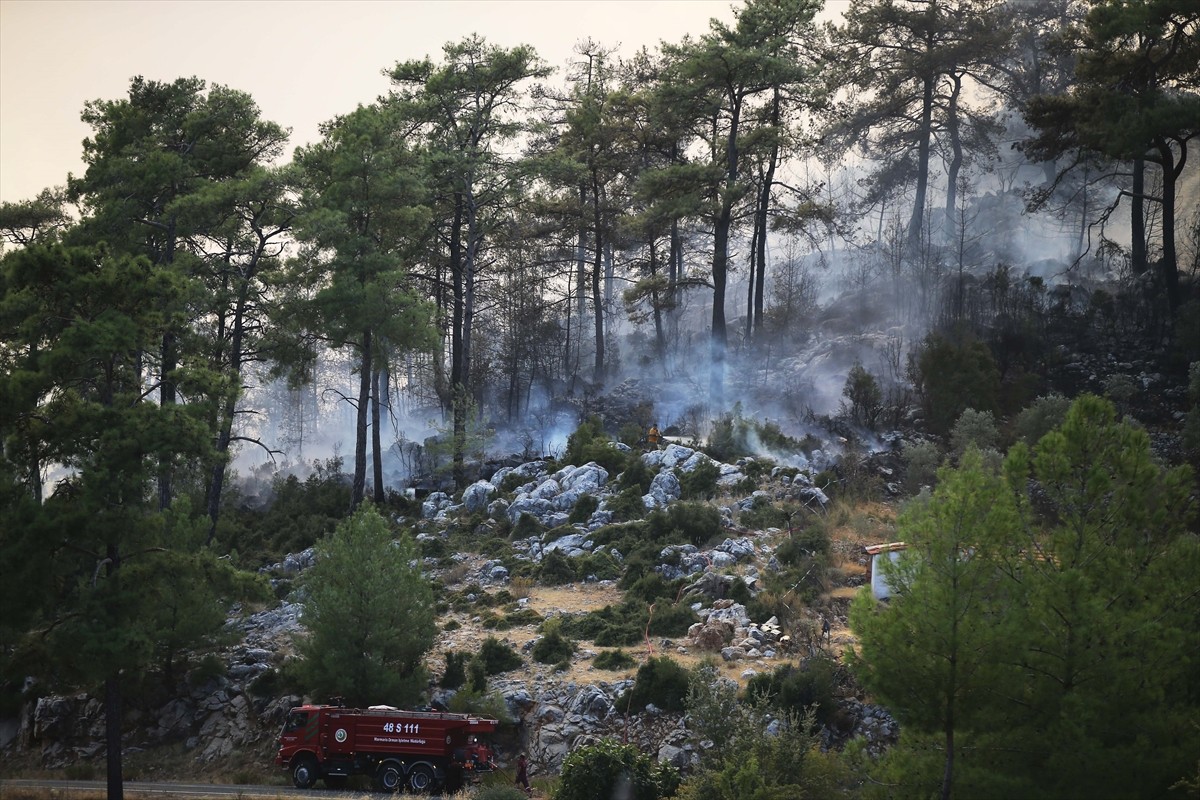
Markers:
point(652, 437)
point(522, 779)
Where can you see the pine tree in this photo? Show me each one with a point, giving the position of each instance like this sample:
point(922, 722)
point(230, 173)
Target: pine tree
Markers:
point(369, 613)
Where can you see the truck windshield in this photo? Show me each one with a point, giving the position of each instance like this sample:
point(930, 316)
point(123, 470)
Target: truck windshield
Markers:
point(295, 720)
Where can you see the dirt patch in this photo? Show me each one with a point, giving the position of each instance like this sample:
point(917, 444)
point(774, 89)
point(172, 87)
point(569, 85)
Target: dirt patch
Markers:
point(574, 598)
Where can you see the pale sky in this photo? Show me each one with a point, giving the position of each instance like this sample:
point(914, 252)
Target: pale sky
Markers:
point(303, 61)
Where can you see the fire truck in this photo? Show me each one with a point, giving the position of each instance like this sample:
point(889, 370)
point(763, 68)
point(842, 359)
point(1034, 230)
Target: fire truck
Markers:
point(423, 751)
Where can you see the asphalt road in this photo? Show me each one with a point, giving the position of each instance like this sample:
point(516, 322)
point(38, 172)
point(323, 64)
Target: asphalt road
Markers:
point(12, 788)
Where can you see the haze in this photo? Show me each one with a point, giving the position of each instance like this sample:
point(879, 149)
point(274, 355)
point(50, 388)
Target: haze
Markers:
point(303, 62)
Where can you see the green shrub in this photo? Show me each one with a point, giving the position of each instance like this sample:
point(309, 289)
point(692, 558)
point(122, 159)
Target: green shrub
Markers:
point(613, 660)
point(497, 657)
point(609, 769)
point(525, 616)
point(1041, 416)
point(1191, 425)
point(974, 428)
point(602, 566)
point(589, 442)
point(764, 514)
point(921, 461)
point(553, 646)
point(809, 687)
point(527, 526)
point(637, 474)
point(626, 505)
point(700, 483)
point(650, 587)
point(865, 396)
point(455, 674)
point(431, 547)
point(952, 377)
point(210, 666)
point(482, 703)
point(556, 569)
point(477, 675)
point(585, 506)
point(661, 682)
point(626, 624)
point(692, 522)
point(274, 683)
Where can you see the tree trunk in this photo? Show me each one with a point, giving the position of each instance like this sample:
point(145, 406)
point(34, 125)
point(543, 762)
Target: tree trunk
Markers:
point(358, 487)
point(376, 438)
point(112, 735)
point(956, 156)
point(170, 360)
point(597, 271)
point(660, 343)
point(720, 263)
point(457, 349)
point(716, 378)
point(1170, 267)
point(761, 218)
point(112, 702)
point(1137, 218)
point(917, 222)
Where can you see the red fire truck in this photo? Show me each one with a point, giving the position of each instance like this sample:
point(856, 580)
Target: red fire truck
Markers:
point(421, 750)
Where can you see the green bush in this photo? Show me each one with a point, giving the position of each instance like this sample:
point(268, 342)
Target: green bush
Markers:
point(455, 674)
point(610, 769)
point(497, 657)
point(556, 569)
point(477, 675)
point(764, 514)
point(660, 681)
point(974, 428)
point(525, 616)
point(809, 687)
point(626, 505)
point(527, 526)
point(553, 646)
point(600, 565)
point(692, 522)
point(613, 660)
point(584, 507)
point(1191, 425)
point(479, 702)
point(1041, 416)
point(589, 442)
point(626, 624)
point(209, 667)
point(301, 513)
point(637, 474)
point(952, 377)
point(700, 483)
point(652, 586)
point(921, 461)
point(865, 396)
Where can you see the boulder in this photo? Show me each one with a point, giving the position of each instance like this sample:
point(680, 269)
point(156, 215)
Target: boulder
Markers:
point(475, 497)
point(665, 488)
point(587, 479)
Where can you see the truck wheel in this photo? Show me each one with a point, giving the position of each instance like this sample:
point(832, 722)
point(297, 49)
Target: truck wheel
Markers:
point(421, 778)
point(389, 778)
point(304, 772)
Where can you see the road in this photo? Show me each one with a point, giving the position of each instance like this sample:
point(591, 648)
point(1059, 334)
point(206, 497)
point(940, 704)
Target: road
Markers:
point(16, 789)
